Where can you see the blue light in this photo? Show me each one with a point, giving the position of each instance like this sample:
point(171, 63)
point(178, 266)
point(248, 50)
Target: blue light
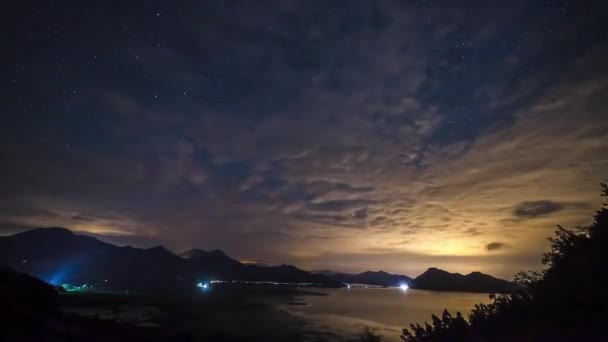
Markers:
point(60, 276)
point(403, 287)
point(65, 272)
point(203, 286)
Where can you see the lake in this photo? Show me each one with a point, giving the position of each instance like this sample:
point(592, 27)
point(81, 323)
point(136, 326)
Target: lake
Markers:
point(346, 311)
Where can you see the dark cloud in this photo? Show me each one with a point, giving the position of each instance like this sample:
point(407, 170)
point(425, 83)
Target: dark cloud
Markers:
point(532, 209)
point(272, 129)
point(361, 213)
point(24, 209)
point(82, 218)
point(9, 228)
point(472, 232)
point(339, 205)
point(319, 188)
point(495, 246)
point(332, 220)
point(378, 220)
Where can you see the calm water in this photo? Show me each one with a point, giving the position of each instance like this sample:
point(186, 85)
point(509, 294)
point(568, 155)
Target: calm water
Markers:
point(346, 311)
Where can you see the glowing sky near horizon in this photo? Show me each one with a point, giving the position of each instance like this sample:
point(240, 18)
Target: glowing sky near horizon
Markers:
point(332, 135)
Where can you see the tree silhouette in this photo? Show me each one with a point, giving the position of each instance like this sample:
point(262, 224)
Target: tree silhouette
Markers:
point(568, 301)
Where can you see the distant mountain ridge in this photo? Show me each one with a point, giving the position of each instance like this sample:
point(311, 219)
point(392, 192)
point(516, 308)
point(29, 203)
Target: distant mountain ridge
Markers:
point(440, 280)
point(432, 279)
point(58, 255)
point(380, 278)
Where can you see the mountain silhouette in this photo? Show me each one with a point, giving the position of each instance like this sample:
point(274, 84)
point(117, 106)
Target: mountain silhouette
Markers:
point(285, 273)
point(215, 264)
point(432, 279)
point(439, 280)
point(369, 277)
point(57, 255)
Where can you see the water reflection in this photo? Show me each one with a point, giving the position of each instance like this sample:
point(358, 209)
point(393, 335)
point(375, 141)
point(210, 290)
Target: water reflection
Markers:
point(388, 309)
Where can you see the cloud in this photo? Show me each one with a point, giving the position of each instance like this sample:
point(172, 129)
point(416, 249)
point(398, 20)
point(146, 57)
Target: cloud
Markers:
point(360, 213)
point(81, 218)
point(9, 228)
point(533, 209)
point(338, 205)
point(405, 122)
point(495, 246)
point(472, 232)
point(24, 208)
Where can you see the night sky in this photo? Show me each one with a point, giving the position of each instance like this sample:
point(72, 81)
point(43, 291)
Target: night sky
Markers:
point(348, 135)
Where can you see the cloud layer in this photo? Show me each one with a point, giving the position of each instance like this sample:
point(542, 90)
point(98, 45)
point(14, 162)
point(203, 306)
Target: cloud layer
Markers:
point(361, 136)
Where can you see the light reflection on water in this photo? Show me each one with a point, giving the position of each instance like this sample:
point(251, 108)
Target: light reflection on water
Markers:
point(388, 309)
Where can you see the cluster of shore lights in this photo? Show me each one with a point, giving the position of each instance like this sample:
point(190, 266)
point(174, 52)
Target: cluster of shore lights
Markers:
point(207, 285)
point(74, 288)
point(403, 287)
point(259, 282)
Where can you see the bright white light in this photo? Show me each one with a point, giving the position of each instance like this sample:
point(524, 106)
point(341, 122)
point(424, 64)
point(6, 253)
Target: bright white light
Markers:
point(199, 285)
point(348, 286)
point(205, 285)
point(403, 287)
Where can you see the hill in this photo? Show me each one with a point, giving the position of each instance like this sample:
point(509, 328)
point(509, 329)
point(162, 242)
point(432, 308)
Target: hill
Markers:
point(57, 255)
point(369, 277)
point(440, 280)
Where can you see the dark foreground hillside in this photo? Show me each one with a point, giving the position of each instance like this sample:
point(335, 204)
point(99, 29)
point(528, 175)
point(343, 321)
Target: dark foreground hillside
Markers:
point(566, 302)
point(34, 311)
